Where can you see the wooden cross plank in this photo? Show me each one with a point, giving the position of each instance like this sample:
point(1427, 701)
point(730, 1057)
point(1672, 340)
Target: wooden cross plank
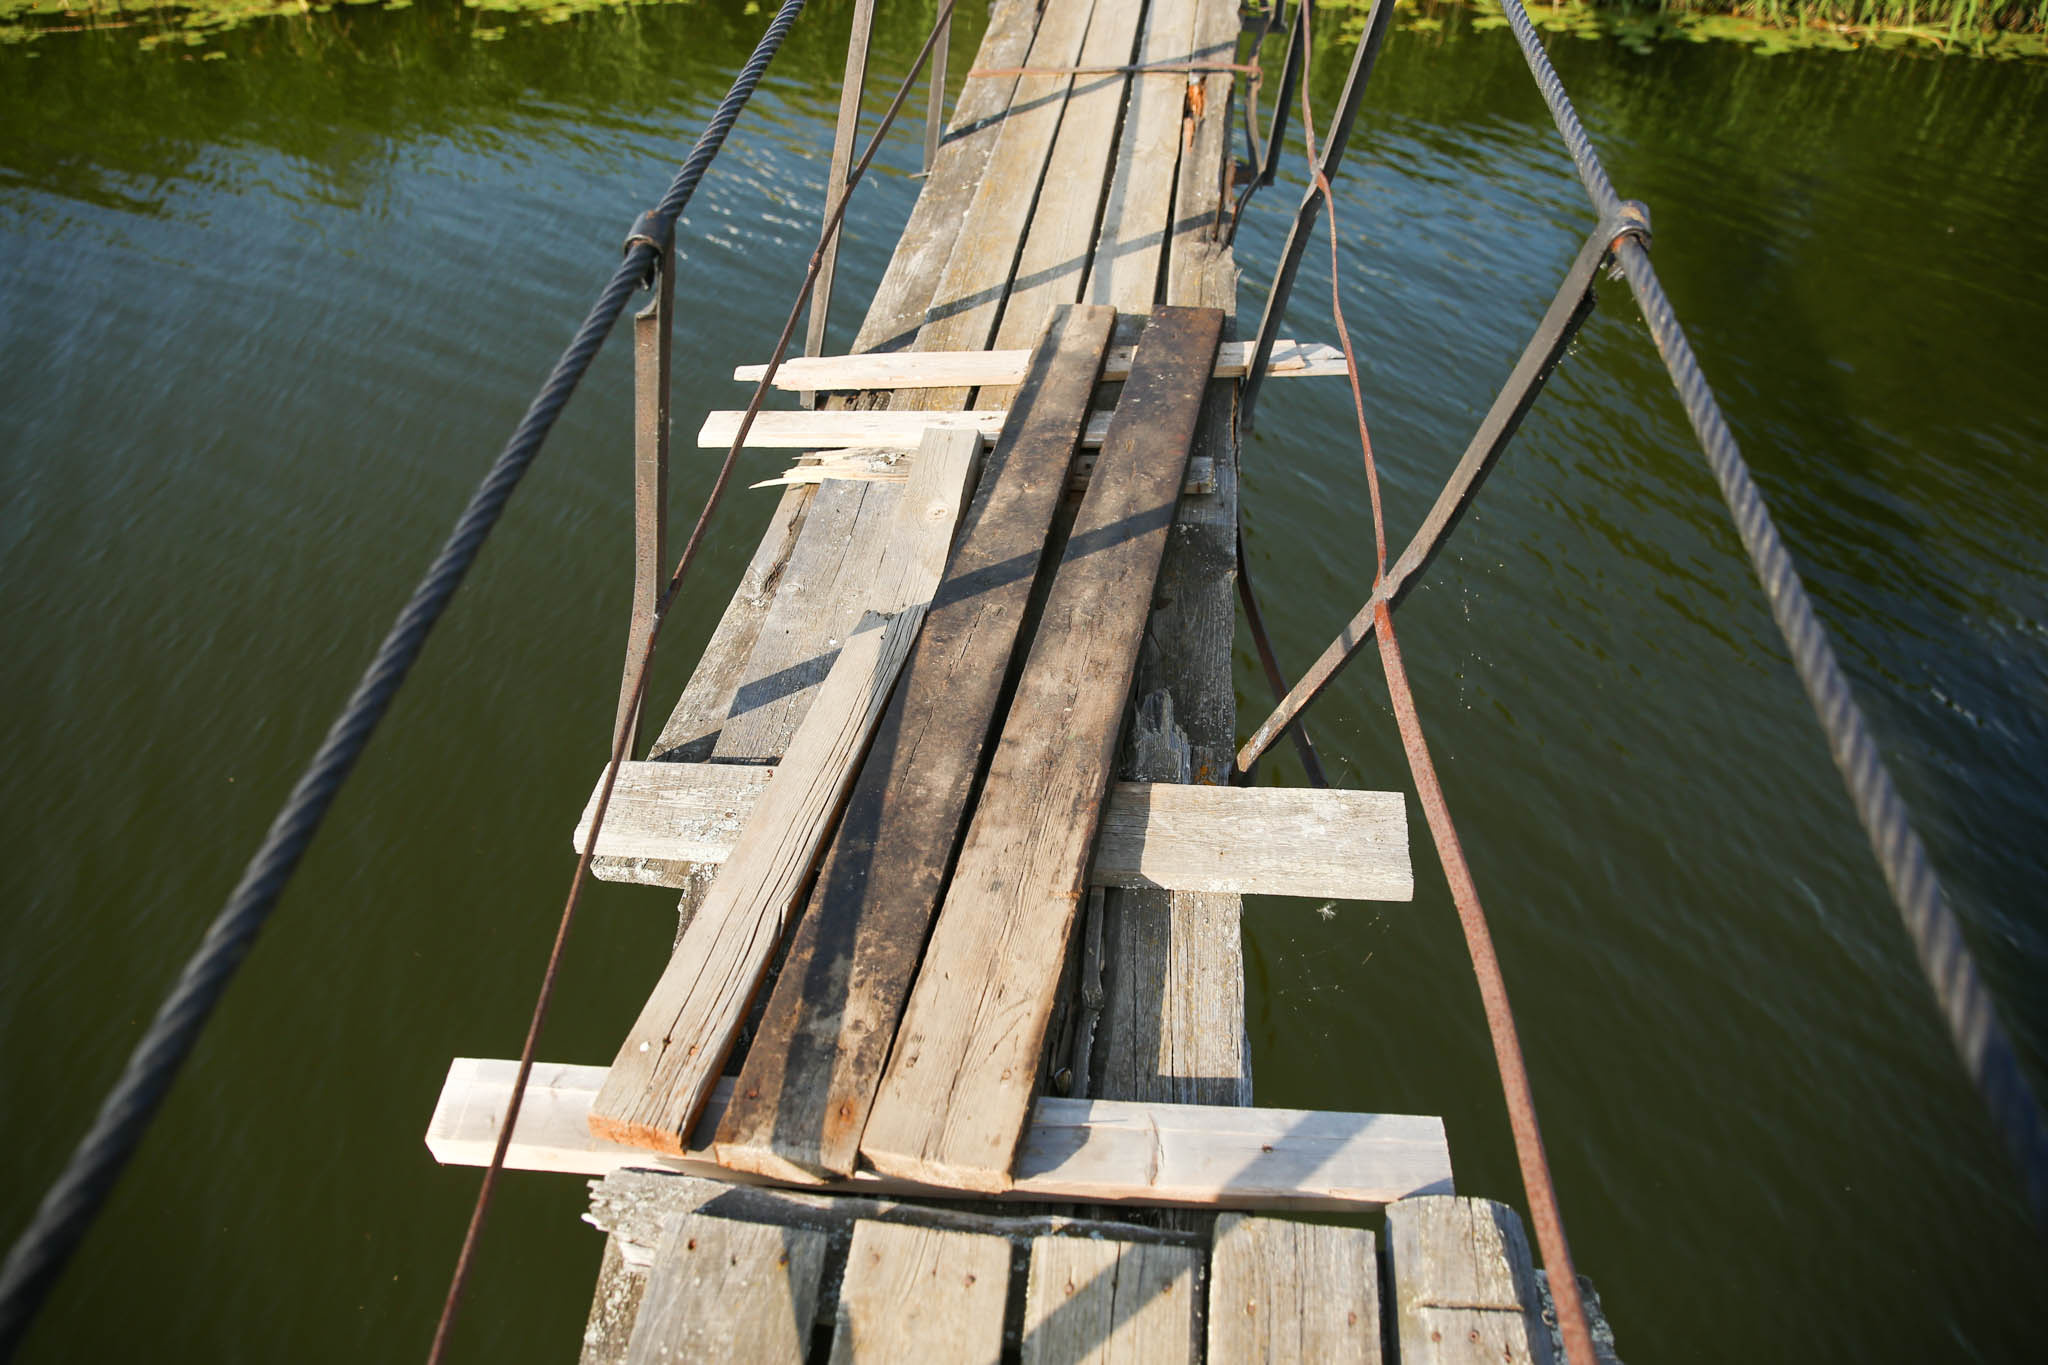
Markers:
point(974, 369)
point(1281, 1291)
point(1094, 1303)
point(817, 1057)
point(720, 1290)
point(957, 1093)
point(891, 467)
point(676, 1047)
point(1268, 841)
point(921, 1294)
point(1463, 1283)
point(1074, 1151)
point(883, 429)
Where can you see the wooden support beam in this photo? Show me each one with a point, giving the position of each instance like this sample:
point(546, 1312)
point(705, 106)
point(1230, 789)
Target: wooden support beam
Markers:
point(676, 1047)
point(1463, 1284)
point(818, 1054)
point(1074, 1151)
point(720, 1290)
point(921, 1294)
point(955, 1100)
point(1331, 844)
point(1282, 1292)
point(977, 369)
point(1108, 1303)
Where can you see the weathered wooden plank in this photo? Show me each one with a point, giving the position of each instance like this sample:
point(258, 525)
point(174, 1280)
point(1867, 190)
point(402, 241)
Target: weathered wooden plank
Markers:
point(720, 1290)
point(675, 1048)
point(972, 369)
point(821, 595)
point(1463, 1284)
point(937, 219)
point(1194, 246)
point(631, 1206)
point(1101, 1302)
point(810, 1079)
point(1125, 270)
point(977, 278)
point(921, 1294)
point(1079, 1151)
point(1283, 1291)
point(1268, 841)
point(954, 1101)
point(888, 467)
point(680, 1040)
point(614, 1306)
point(1053, 265)
point(1172, 1023)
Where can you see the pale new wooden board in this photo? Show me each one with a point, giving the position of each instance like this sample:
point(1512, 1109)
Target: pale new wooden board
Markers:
point(1463, 1284)
point(1271, 841)
point(921, 1294)
point(1109, 1303)
point(955, 1099)
point(888, 429)
point(1081, 1151)
point(974, 369)
point(720, 1290)
point(1281, 1291)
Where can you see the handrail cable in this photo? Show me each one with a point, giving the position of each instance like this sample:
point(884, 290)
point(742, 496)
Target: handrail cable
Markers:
point(1966, 1004)
point(642, 670)
point(74, 1199)
point(1493, 991)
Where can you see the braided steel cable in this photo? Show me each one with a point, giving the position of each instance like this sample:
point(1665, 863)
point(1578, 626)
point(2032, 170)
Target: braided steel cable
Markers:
point(1965, 1002)
point(74, 1199)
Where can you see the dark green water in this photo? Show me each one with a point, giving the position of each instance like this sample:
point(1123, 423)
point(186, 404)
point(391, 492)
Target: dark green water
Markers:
point(265, 319)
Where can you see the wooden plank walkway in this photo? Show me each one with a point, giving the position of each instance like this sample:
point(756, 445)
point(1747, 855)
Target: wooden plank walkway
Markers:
point(964, 731)
point(901, 1281)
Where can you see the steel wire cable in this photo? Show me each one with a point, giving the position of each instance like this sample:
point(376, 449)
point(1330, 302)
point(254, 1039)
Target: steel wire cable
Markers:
point(640, 669)
point(67, 1210)
point(1965, 1002)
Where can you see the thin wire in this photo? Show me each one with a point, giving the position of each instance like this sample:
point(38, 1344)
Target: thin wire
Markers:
point(641, 671)
point(1493, 992)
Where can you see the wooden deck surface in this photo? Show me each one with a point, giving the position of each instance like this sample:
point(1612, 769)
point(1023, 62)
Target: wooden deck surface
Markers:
point(1101, 194)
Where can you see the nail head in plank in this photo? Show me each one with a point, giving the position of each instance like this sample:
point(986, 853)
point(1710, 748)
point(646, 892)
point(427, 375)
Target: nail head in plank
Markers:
point(1087, 1151)
point(1091, 1303)
point(1463, 1283)
point(810, 1077)
point(955, 1099)
point(1283, 1291)
point(921, 1294)
point(719, 1290)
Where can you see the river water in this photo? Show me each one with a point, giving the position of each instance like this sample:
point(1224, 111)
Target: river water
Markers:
point(264, 320)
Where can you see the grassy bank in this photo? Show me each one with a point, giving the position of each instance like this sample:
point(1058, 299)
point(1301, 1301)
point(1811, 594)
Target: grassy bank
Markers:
point(1985, 28)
